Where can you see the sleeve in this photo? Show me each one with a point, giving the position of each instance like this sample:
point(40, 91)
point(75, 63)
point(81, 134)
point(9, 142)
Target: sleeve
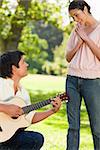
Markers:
point(4, 90)
point(72, 41)
point(99, 38)
point(0, 89)
point(26, 97)
point(30, 116)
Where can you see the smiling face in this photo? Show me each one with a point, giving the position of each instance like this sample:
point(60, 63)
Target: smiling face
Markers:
point(21, 71)
point(78, 15)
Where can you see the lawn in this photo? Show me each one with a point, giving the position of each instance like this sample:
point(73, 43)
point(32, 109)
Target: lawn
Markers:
point(54, 128)
point(44, 83)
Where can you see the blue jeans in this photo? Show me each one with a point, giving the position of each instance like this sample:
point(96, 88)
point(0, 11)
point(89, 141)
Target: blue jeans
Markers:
point(89, 89)
point(24, 140)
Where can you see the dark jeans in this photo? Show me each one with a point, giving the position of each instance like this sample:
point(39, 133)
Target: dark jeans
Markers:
point(24, 140)
point(89, 89)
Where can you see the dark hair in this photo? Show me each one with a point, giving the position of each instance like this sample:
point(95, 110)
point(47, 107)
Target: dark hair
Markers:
point(79, 4)
point(7, 60)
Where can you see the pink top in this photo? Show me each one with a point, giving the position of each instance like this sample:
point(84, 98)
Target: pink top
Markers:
point(84, 63)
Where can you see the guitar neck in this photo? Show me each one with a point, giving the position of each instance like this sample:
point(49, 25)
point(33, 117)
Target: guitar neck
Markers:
point(41, 104)
point(36, 106)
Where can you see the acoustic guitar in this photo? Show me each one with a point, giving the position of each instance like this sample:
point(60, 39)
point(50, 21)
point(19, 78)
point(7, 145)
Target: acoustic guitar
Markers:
point(8, 125)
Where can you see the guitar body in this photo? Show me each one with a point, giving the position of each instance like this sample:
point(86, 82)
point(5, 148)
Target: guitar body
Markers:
point(8, 125)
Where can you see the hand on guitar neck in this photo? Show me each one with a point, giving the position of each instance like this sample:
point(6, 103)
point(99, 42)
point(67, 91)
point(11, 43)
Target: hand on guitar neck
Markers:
point(56, 103)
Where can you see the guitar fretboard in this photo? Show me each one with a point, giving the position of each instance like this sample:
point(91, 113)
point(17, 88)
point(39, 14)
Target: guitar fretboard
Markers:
point(36, 106)
point(41, 104)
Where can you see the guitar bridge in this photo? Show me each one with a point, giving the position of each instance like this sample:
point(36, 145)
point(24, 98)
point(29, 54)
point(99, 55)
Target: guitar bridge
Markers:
point(0, 129)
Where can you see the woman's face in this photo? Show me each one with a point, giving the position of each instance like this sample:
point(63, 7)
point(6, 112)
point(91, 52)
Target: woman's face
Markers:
point(78, 16)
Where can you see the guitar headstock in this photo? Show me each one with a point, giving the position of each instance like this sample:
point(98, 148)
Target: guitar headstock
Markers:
point(63, 96)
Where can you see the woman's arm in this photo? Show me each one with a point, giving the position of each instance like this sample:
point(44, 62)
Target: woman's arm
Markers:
point(94, 48)
point(71, 53)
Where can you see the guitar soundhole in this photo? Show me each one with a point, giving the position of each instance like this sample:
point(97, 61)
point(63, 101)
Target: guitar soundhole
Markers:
point(0, 129)
point(14, 117)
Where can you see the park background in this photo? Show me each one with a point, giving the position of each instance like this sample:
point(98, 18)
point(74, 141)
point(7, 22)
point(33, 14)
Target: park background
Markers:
point(41, 28)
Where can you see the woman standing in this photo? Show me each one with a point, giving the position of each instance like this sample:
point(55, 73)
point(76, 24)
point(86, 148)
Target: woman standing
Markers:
point(83, 80)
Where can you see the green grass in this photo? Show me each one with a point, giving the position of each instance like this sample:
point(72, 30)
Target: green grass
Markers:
point(44, 83)
point(55, 127)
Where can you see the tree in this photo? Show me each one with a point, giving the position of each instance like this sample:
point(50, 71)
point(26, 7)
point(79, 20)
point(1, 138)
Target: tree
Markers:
point(11, 25)
point(35, 27)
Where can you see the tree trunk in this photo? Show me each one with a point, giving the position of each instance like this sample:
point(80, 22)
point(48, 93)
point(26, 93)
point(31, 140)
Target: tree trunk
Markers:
point(12, 42)
point(25, 3)
point(1, 2)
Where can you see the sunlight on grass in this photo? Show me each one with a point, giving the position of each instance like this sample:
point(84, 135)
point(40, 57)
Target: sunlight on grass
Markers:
point(44, 83)
point(54, 129)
